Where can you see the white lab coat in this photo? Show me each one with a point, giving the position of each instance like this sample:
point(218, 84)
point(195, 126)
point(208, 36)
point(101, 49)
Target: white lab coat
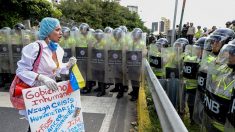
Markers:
point(46, 66)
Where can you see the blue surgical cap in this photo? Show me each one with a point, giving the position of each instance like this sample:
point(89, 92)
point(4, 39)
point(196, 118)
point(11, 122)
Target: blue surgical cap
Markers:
point(47, 25)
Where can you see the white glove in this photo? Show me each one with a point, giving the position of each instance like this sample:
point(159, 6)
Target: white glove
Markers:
point(71, 62)
point(50, 83)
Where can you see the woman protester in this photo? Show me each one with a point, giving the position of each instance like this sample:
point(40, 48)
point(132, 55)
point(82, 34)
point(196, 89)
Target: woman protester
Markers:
point(50, 64)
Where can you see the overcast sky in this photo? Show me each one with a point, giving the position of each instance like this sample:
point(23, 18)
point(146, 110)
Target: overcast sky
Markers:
point(200, 12)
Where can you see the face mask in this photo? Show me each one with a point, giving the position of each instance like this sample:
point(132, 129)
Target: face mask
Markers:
point(52, 46)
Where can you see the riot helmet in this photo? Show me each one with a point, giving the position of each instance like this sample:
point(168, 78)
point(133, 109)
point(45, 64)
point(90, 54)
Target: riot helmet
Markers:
point(124, 29)
point(19, 26)
point(181, 43)
point(108, 30)
point(200, 42)
point(74, 28)
point(99, 34)
point(218, 38)
point(227, 55)
point(137, 34)
point(84, 28)
point(91, 30)
point(117, 34)
point(65, 32)
point(162, 42)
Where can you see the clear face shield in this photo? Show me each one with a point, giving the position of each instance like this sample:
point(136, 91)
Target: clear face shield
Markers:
point(66, 33)
point(108, 30)
point(118, 34)
point(214, 43)
point(197, 51)
point(137, 36)
point(84, 29)
point(223, 57)
point(178, 46)
point(159, 46)
point(99, 36)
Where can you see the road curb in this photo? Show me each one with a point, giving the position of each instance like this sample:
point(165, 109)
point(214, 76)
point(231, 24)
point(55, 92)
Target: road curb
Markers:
point(142, 112)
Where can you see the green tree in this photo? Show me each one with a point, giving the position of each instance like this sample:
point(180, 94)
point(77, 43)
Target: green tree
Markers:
point(99, 14)
point(13, 11)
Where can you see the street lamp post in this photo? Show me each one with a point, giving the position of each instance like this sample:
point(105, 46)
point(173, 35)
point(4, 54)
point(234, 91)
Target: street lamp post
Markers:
point(173, 30)
point(181, 18)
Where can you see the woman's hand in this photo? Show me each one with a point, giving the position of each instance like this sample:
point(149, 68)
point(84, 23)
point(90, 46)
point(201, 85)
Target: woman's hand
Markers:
point(71, 62)
point(50, 83)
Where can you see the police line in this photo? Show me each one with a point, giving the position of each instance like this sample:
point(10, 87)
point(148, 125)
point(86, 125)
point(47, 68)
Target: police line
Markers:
point(169, 118)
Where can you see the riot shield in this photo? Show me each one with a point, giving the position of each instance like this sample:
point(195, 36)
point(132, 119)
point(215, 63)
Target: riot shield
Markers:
point(115, 65)
point(155, 60)
point(82, 57)
point(83, 53)
point(134, 63)
point(217, 99)
point(26, 37)
point(16, 48)
point(215, 110)
point(207, 58)
point(172, 68)
point(230, 118)
point(98, 65)
point(4, 52)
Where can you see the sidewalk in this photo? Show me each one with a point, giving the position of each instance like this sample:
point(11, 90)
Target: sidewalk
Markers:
point(100, 114)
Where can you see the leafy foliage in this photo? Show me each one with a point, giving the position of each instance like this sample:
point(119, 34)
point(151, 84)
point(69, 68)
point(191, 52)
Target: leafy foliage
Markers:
point(13, 11)
point(99, 14)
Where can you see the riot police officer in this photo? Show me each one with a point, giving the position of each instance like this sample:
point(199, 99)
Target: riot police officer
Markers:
point(155, 58)
point(4, 57)
point(84, 40)
point(214, 119)
point(201, 77)
point(172, 62)
point(190, 68)
point(134, 55)
point(219, 90)
point(116, 61)
point(98, 61)
point(230, 120)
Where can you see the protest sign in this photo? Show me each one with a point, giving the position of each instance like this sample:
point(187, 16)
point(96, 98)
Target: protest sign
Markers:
point(54, 111)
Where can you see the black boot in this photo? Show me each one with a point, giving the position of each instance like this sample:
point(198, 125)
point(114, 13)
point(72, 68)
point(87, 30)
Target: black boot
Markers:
point(102, 91)
point(97, 89)
point(125, 88)
point(135, 94)
point(87, 89)
point(120, 92)
point(116, 88)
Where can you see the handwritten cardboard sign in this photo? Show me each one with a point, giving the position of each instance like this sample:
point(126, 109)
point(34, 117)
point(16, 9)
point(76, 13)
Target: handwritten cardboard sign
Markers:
point(53, 111)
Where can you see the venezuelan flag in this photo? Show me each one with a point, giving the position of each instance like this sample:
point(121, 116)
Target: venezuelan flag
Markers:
point(76, 80)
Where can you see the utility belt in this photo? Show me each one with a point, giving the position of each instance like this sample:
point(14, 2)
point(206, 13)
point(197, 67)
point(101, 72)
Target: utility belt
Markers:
point(216, 107)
